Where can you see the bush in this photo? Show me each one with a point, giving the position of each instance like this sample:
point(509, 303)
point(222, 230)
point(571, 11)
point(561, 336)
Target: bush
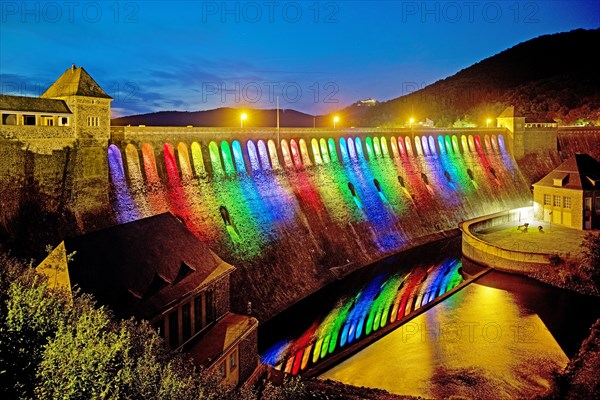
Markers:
point(555, 259)
point(591, 265)
point(53, 346)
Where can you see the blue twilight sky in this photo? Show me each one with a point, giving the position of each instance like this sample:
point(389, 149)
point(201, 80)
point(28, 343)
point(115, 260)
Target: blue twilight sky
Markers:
point(316, 56)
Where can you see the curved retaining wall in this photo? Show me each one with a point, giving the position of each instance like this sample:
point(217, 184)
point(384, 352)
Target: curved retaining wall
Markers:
point(495, 256)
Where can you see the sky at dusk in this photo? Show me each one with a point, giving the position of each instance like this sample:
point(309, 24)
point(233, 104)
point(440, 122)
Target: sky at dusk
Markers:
point(315, 56)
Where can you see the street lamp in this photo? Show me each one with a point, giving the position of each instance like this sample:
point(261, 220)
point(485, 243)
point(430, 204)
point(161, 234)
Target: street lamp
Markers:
point(336, 119)
point(242, 118)
point(410, 121)
point(487, 123)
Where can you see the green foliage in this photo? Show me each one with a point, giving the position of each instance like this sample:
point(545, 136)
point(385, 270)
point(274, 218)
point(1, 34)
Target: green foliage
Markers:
point(559, 89)
point(53, 346)
point(291, 389)
point(464, 122)
point(30, 317)
point(86, 359)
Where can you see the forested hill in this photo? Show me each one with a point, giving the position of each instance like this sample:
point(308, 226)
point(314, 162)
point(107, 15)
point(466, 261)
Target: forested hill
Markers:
point(550, 77)
point(221, 117)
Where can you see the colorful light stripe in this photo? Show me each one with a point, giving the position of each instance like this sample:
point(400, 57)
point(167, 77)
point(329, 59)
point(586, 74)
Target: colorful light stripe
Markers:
point(361, 312)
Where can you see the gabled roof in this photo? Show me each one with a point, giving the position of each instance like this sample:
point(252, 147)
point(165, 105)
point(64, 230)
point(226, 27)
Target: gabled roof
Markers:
point(508, 112)
point(33, 104)
point(227, 331)
point(142, 267)
point(75, 81)
point(580, 172)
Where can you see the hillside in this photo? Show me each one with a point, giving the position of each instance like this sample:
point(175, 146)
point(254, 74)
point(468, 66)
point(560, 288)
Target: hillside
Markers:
point(549, 77)
point(221, 117)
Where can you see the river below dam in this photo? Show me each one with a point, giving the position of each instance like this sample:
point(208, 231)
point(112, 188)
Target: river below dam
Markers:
point(500, 336)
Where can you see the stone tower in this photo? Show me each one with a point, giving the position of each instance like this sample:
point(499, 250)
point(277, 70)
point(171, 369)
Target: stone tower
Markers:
point(90, 106)
point(86, 99)
point(516, 131)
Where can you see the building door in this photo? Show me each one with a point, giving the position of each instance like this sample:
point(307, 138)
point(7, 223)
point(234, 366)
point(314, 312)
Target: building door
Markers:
point(547, 215)
point(587, 213)
point(557, 216)
point(567, 219)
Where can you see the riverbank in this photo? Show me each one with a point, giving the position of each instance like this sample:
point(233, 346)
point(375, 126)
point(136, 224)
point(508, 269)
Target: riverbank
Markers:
point(332, 390)
point(580, 379)
point(572, 262)
point(514, 242)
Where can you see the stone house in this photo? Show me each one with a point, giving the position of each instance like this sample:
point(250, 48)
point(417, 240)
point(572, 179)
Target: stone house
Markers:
point(156, 269)
point(570, 194)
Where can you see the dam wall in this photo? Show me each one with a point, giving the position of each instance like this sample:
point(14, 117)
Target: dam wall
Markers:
point(292, 209)
point(299, 208)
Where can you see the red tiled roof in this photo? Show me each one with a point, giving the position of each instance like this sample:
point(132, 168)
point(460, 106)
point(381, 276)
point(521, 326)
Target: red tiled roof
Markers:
point(580, 172)
point(139, 268)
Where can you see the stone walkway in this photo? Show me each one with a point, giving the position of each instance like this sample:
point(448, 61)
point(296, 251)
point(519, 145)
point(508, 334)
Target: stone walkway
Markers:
point(551, 239)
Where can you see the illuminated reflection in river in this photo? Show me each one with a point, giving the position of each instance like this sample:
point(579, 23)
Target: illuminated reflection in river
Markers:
point(483, 342)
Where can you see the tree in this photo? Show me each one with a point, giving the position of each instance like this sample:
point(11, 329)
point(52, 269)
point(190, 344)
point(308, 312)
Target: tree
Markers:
point(591, 264)
point(29, 317)
point(56, 346)
point(291, 389)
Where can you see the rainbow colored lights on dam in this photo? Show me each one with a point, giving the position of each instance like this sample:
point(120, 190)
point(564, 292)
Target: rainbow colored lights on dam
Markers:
point(268, 192)
point(389, 298)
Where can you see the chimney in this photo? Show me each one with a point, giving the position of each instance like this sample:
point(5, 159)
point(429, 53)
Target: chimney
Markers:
point(73, 67)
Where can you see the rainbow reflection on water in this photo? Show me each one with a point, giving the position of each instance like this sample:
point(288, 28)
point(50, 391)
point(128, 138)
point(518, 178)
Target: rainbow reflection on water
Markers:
point(386, 299)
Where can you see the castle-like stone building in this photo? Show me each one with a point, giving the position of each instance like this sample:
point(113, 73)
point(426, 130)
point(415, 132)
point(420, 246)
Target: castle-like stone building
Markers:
point(63, 134)
point(156, 269)
point(153, 268)
point(73, 108)
point(525, 136)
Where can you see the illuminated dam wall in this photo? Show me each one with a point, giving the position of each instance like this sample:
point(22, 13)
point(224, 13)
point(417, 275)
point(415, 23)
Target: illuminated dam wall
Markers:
point(296, 210)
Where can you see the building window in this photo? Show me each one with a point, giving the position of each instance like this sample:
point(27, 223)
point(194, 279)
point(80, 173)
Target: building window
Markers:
point(566, 202)
point(186, 322)
point(232, 361)
point(28, 119)
point(556, 201)
point(63, 121)
point(547, 200)
point(9, 119)
point(174, 329)
point(93, 121)
point(198, 324)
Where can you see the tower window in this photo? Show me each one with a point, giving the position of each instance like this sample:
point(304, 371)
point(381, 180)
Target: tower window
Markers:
point(9, 119)
point(28, 119)
point(93, 121)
